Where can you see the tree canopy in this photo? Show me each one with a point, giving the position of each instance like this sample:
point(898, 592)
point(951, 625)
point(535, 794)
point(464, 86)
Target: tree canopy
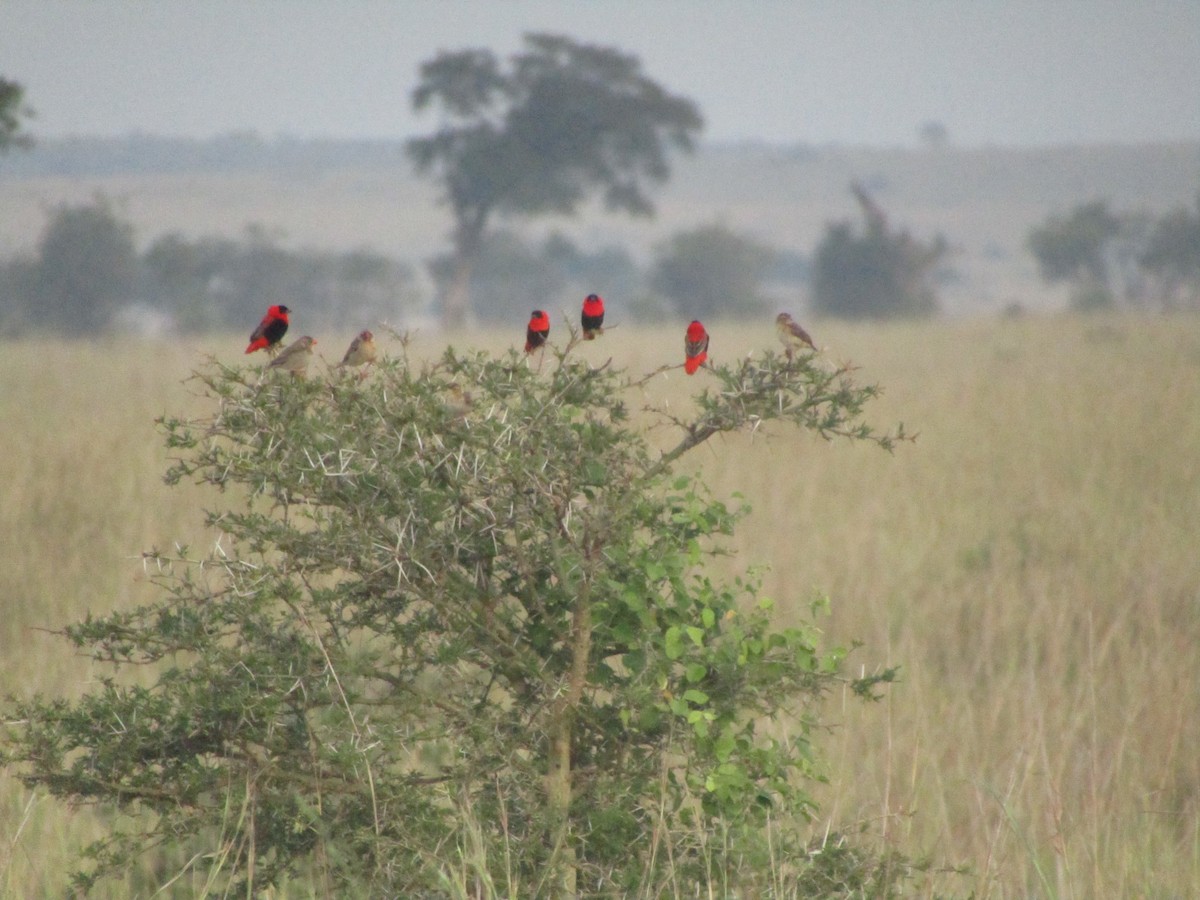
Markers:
point(1172, 256)
point(563, 120)
point(1074, 248)
point(1109, 257)
point(87, 267)
point(712, 271)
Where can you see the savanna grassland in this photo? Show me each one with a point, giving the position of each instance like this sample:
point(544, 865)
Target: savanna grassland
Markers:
point(1030, 563)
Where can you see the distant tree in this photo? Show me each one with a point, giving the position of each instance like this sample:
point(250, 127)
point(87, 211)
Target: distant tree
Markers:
point(86, 268)
point(365, 286)
point(790, 267)
point(178, 275)
point(510, 278)
point(712, 271)
point(216, 282)
point(268, 272)
point(609, 270)
point(12, 111)
point(1172, 257)
point(565, 120)
point(880, 273)
point(18, 293)
point(1075, 249)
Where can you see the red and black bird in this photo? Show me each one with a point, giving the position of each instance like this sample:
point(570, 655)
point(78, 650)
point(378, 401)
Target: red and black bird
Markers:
point(270, 330)
point(695, 347)
point(592, 317)
point(537, 331)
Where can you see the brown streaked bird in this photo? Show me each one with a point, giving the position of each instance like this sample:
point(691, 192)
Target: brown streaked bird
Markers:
point(792, 335)
point(458, 401)
point(296, 357)
point(362, 350)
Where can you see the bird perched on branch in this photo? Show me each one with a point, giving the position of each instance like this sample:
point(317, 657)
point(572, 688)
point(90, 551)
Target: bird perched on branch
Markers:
point(296, 357)
point(270, 330)
point(592, 317)
point(458, 401)
point(695, 347)
point(791, 335)
point(361, 350)
point(537, 331)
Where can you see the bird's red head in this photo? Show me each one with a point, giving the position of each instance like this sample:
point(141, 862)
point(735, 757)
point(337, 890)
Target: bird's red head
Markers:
point(593, 305)
point(278, 312)
point(538, 320)
point(695, 331)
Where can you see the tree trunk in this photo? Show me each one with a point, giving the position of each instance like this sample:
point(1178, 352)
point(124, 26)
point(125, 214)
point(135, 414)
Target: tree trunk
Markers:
point(456, 297)
point(558, 795)
point(558, 768)
point(457, 294)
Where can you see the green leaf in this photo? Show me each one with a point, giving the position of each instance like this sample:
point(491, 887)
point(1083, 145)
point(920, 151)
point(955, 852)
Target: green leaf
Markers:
point(724, 745)
point(634, 600)
point(673, 642)
point(635, 661)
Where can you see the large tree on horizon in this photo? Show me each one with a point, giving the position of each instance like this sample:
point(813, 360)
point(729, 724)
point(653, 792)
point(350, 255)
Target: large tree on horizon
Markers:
point(563, 121)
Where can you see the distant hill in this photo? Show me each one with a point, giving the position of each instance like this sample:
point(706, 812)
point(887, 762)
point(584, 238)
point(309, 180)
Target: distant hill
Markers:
point(144, 154)
point(342, 194)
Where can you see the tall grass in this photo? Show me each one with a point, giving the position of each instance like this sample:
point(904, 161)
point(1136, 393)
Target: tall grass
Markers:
point(1031, 563)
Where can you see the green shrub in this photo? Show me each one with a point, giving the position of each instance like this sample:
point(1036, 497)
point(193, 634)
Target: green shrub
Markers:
point(458, 633)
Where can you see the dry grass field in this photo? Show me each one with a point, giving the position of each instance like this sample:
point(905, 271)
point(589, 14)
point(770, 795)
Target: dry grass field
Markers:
point(1030, 562)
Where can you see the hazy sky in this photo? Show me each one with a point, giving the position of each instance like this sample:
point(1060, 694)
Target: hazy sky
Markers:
point(1014, 72)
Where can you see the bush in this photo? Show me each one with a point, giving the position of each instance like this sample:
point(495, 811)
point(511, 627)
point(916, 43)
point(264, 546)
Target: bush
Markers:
point(87, 267)
point(711, 272)
point(879, 273)
point(460, 633)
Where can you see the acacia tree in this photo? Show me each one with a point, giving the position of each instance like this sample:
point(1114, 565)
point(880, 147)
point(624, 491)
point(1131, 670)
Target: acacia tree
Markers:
point(460, 635)
point(564, 120)
point(1171, 256)
point(1075, 249)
